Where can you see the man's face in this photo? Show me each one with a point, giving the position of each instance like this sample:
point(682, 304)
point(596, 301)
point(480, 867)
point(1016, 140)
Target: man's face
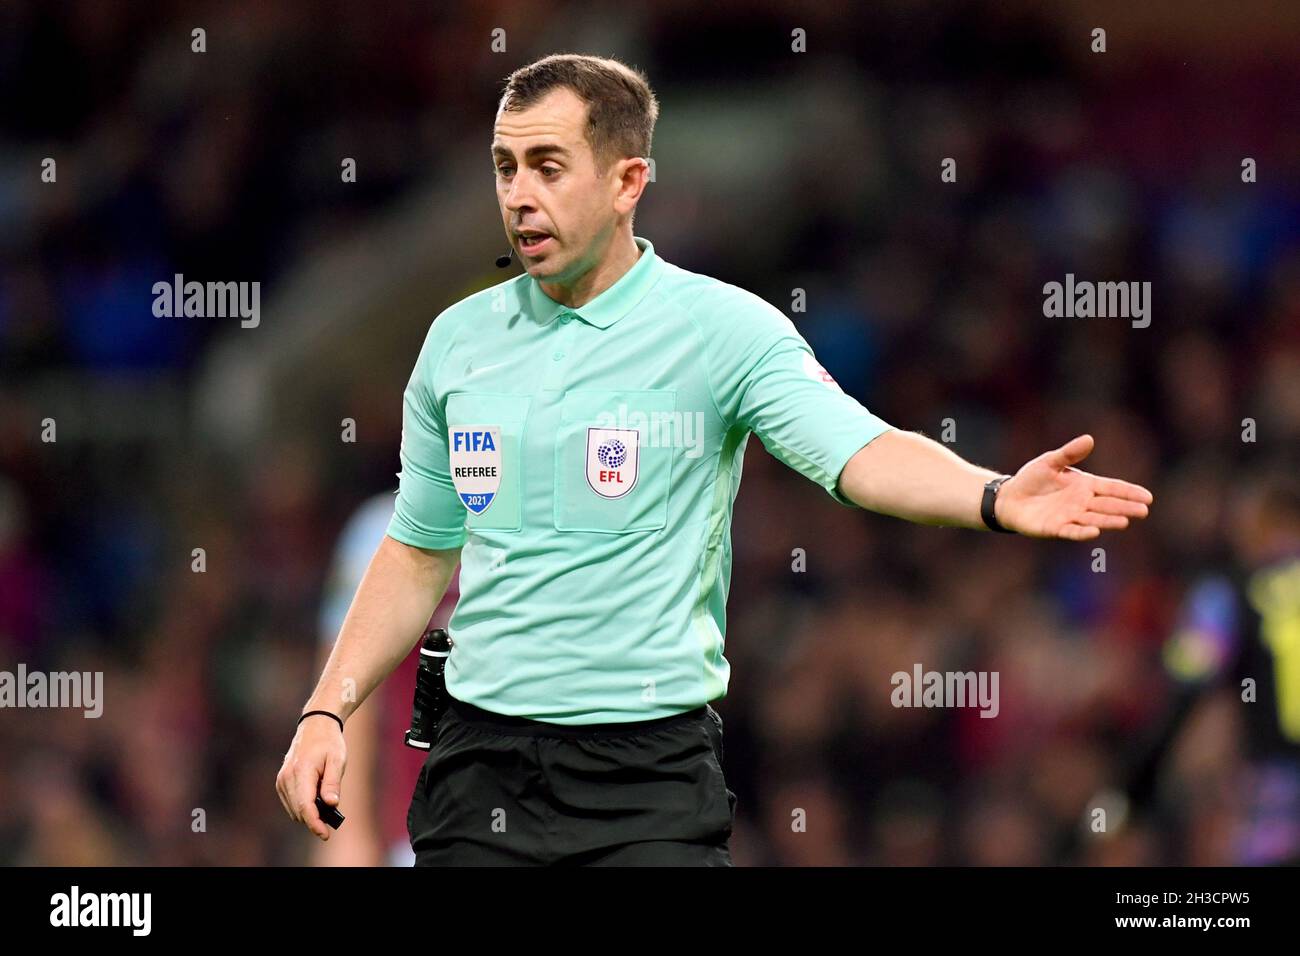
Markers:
point(547, 182)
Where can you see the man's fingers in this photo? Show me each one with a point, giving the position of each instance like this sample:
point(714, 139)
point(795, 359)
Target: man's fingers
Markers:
point(331, 780)
point(282, 781)
point(1107, 505)
point(1078, 532)
point(1116, 488)
point(1072, 452)
point(1107, 522)
point(304, 799)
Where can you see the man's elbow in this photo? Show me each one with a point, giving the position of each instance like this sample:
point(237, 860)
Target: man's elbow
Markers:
point(859, 478)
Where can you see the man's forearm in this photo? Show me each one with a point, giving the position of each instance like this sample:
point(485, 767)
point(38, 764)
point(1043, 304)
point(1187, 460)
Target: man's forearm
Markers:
point(909, 476)
point(397, 596)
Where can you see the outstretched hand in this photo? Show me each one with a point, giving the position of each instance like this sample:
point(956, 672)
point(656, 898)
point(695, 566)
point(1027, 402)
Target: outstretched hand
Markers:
point(1049, 498)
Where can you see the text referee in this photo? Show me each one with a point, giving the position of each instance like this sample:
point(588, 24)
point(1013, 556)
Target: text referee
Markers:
point(574, 437)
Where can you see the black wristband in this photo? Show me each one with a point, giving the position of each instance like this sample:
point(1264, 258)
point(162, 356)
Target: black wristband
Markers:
point(324, 713)
point(987, 502)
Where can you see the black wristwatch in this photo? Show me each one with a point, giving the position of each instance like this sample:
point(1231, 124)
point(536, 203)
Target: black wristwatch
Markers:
point(986, 504)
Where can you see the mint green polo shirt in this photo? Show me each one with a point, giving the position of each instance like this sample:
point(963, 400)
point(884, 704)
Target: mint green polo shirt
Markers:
point(587, 460)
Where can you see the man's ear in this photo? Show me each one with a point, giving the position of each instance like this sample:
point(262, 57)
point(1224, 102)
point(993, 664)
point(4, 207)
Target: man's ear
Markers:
point(632, 178)
point(641, 163)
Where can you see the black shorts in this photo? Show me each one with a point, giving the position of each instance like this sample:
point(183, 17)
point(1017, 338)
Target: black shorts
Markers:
point(507, 791)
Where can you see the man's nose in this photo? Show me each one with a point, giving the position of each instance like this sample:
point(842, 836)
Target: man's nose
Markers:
point(520, 194)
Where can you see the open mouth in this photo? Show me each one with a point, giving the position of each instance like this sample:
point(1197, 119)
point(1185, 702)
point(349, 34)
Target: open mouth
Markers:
point(533, 244)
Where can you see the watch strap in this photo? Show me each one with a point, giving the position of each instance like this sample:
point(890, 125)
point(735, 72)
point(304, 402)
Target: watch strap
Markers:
point(988, 501)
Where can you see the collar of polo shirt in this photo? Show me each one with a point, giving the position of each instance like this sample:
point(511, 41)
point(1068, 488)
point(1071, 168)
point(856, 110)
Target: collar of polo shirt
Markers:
point(612, 304)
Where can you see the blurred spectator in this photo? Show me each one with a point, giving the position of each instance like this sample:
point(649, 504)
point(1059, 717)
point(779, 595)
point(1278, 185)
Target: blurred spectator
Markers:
point(818, 172)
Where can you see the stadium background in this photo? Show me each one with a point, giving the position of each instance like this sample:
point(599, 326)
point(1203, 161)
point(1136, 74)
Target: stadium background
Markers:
point(775, 171)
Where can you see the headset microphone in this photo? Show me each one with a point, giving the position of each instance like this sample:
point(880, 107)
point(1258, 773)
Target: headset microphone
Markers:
point(503, 261)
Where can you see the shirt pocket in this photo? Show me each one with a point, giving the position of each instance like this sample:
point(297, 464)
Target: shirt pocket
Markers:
point(614, 459)
point(475, 417)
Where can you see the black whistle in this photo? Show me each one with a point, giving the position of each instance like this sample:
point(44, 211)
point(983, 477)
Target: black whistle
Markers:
point(329, 814)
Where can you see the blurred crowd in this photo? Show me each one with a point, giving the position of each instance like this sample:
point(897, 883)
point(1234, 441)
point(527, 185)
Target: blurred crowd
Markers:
point(924, 299)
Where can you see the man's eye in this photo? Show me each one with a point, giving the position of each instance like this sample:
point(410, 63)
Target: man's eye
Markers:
point(548, 170)
point(504, 170)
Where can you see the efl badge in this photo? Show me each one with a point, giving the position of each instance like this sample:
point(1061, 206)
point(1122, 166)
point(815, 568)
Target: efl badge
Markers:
point(476, 464)
point(612, 460)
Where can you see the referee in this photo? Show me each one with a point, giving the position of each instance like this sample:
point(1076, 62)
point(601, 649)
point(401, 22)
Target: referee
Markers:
point(574, 438)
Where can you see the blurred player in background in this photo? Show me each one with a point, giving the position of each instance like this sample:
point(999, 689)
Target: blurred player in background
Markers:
point(381, 769)
point(1240, 624)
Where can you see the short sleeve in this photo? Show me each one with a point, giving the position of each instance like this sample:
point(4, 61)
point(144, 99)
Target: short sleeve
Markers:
point(428, 513)
point(765, 378)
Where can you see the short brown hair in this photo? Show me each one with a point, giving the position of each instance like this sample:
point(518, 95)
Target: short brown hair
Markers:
point(621, 107)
